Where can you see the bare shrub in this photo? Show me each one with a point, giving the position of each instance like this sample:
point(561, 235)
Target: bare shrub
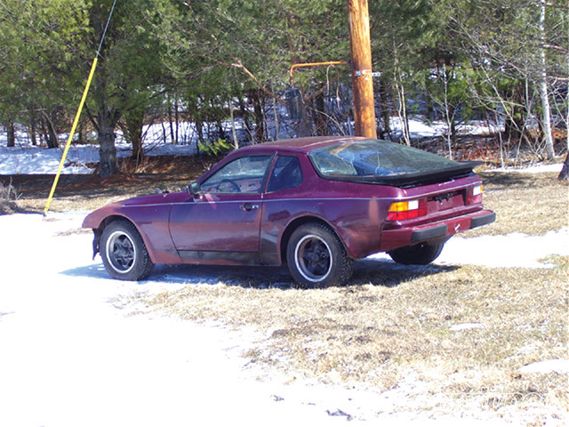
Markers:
point(8, 198)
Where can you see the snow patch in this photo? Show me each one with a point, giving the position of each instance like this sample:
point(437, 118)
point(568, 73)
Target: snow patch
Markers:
point(531, 169)
point(30, 160)
point(512, 250)
point(423, 129)
point(561, 366)
point(466, 326)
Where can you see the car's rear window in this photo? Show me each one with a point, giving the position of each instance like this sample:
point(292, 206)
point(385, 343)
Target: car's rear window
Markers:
point(376, 158)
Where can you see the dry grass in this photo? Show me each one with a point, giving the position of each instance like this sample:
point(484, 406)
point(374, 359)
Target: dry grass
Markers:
point(8, 197)
point(525, 203)
point(391, 328)
point(394, 322)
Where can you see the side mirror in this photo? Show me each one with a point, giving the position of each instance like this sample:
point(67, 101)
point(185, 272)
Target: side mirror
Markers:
point(194, 188)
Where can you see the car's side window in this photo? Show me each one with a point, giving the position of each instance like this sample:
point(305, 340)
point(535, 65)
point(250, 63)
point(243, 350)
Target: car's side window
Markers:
point(242, 175)
point(286, 174)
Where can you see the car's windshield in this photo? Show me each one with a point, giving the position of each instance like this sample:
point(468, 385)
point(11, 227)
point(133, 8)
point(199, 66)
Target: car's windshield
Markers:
point(375, 158)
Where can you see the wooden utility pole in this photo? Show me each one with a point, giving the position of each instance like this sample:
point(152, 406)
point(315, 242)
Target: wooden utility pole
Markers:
point(362, 79)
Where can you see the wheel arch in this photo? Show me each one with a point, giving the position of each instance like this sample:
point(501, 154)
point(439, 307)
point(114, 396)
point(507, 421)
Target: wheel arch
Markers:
point(116, 217)
point(298, 222)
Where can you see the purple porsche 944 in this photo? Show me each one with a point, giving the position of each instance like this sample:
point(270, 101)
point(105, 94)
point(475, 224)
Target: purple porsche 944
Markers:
point(314, 204)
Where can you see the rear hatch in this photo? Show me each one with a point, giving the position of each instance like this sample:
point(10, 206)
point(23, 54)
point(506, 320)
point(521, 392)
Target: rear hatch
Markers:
point(431, 186)
point(385, 163)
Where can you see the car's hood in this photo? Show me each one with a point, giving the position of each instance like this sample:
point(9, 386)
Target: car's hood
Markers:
point(123, 207)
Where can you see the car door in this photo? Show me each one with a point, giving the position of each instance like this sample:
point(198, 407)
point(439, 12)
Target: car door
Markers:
point(223, 222)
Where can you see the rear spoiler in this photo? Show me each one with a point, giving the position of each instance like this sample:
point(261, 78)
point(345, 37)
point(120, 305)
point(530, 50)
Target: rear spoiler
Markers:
point(412, 179)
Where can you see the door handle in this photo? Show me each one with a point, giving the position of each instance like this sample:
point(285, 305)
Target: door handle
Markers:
point(247, 207)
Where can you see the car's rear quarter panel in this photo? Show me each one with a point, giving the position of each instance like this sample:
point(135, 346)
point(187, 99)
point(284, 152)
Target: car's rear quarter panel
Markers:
point(354, 211)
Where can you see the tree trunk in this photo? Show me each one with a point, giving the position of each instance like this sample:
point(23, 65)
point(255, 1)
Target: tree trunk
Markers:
point(385, 109)
point(449, 118)
point(564, 174)
point(276, 118)
point(199, 129)
point(134, 120)
point(106, 122)
point(546, 113)
point(33, 127)
point(255, 96)
point(303, 125)
point(220, 130)
point(44, 137)
point(11, 134)
point(80, 132)
point(400, 88)
point(171, 121)
point(51, 137)
point(233, 131)
point(514, 123)
point(320, 118)
point(177, 118)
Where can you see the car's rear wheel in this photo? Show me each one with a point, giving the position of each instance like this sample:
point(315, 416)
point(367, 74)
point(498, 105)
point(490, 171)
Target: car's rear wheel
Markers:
point(123, 252)
point(421, 254)
point(316, 257)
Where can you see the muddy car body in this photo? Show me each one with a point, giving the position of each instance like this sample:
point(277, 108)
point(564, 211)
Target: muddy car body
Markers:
point(315, 204)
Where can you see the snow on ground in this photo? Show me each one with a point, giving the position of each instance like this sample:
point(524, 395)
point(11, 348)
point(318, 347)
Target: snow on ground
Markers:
point(70, 357)
point(27, 159)
point(512, 250)
point(70, 354)
point(540, 168)
point(157, 141)
point(422, 129)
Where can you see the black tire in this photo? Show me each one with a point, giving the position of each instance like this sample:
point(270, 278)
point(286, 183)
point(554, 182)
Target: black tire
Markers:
point(316, 257)
point(123, 252)
point(421, 254)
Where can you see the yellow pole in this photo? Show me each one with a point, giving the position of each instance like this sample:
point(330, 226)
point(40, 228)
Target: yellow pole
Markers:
point(71, 134)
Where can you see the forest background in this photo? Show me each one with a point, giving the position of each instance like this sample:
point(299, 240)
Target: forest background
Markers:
point(500, 63)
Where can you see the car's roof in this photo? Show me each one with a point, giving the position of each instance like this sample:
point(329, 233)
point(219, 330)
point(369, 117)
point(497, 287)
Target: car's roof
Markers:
point(302, 144)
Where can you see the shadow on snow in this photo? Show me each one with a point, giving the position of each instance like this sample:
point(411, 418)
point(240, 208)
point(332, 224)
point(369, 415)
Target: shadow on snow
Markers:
point(376, 272)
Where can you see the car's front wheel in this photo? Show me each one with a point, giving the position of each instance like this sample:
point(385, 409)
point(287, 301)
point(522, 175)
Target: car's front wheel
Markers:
point(123, 252)
point(421, 254)
point(316, 257)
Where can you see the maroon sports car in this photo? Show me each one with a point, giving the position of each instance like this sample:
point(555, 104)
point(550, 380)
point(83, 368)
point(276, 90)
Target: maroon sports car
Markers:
point(315, 204)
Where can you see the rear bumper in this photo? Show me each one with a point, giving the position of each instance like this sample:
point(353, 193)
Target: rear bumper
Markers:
point(440, 230)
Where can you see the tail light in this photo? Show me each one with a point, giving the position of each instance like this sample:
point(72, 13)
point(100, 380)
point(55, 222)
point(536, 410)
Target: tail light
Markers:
point(474, 195)
point(399, 211)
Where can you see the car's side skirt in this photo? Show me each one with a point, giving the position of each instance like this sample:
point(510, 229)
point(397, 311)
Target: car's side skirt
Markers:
point(220, 257)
